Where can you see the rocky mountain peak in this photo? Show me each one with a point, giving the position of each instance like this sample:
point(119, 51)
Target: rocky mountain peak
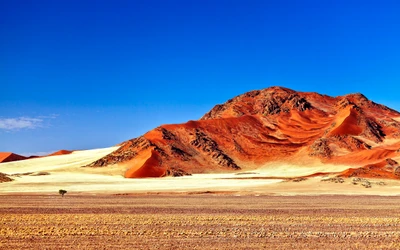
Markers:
point(269, 101)
point(263, 126)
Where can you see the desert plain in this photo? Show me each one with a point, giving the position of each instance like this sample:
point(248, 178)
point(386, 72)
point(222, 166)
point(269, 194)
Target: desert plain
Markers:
point(269, 208)
point(198, 221)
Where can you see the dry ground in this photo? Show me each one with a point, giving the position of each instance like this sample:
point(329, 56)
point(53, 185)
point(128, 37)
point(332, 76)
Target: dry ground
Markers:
point(198, 221)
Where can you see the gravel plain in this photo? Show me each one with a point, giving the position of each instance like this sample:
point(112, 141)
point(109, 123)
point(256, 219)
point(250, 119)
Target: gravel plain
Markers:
point(198, 221)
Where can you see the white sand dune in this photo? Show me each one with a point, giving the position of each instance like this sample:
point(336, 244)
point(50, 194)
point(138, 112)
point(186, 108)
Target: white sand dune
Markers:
point(71, 161)
point(66, 172)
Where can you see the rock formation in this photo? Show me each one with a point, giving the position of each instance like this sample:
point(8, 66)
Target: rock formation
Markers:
point(262, 126)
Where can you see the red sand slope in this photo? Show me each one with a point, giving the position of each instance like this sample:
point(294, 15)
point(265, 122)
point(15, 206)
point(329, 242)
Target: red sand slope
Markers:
point(386, 169)
point(274, 124)
point(7, 157)
point(61, 152)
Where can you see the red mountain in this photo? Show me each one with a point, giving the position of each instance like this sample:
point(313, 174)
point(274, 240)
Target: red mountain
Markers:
point(264, 126)
point(7, 157)
point(61, 152)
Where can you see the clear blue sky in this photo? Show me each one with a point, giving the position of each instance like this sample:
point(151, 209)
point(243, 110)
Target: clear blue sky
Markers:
point(78, 74)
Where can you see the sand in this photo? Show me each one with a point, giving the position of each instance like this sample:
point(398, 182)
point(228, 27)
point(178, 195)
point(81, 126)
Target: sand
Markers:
point(198, 221)
point(49, 174)
point(69, 162)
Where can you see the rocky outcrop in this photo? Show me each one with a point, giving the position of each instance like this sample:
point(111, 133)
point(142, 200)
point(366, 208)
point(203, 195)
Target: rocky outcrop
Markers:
point(266, 102)
point(373, 130)
point(175, 173)
point(167, 135)
point(386, 169)
point(171, 153)
point(210, 147)
point(397, 171)
point(260, 126)
point(320, 148)
point(4, 178)
point(351, 143)
point(126, 152)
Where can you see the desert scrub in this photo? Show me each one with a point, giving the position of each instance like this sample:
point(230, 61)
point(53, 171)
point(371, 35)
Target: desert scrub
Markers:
point(334, 179)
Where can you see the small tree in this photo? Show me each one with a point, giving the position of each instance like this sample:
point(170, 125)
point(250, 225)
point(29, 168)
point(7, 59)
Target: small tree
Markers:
point(62, 192)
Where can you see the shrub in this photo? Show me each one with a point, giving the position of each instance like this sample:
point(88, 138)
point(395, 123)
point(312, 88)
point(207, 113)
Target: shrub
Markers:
point(62, 192)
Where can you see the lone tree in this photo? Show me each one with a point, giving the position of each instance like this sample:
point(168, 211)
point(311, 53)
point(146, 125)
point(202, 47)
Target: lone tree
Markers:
point(62, 192)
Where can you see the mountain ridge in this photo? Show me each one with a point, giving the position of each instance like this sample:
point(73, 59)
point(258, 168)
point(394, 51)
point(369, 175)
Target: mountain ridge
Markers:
point(263, 126)
point(10, 157)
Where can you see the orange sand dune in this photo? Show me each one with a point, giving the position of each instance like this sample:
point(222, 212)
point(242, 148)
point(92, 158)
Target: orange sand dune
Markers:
point(386, 169)
point(151, 168)
point(263, 126)
point(347, 123)
point(363, 157)
point(61, 152)
point(7, 157)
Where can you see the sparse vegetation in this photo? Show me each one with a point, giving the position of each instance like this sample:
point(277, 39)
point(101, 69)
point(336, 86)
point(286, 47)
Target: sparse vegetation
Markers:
point(4, 178)
point(299, 179)
point(62, 192)
point(245, 173)
point(366, 183)
point(334, 179)
point(363, 182)
point(40, 173)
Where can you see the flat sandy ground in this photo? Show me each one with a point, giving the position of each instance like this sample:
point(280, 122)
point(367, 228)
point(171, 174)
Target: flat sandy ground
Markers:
point(199, 221)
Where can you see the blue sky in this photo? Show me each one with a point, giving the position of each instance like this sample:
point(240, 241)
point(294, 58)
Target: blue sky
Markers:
point(89, 74)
